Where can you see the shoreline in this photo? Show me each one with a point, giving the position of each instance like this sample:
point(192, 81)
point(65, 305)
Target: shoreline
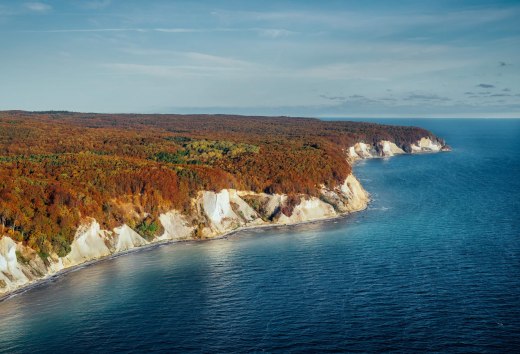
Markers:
point(151, 245)
point(231, 233)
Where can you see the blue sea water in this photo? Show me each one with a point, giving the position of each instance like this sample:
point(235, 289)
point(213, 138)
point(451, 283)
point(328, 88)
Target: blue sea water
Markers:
point(432, 265)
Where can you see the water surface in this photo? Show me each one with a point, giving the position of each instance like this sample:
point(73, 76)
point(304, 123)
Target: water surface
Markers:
point(433, 264)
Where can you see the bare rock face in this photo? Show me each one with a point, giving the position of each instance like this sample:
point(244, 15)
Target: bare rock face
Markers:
point(307, 210)
point(241, 208)
point(426, 145)
point(363, 151)
point(89, 243)
point(357, 197)
point(11, 273)
point(385, 148)
point(19, 265)
point(127, 239)
point(176, 226)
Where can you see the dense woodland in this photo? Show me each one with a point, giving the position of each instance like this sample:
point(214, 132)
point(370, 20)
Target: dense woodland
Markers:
point(56, 168)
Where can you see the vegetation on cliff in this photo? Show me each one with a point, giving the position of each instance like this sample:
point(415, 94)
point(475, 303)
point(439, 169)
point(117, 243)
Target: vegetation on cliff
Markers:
point(56, 168)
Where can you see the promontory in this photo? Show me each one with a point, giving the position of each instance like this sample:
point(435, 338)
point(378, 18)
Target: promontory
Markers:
point(76, 187)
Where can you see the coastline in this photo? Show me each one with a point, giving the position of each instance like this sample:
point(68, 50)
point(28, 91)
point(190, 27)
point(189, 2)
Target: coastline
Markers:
point(357, 200)
point(150, 246)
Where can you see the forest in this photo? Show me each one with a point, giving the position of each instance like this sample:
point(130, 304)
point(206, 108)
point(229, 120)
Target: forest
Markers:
point(58, 168)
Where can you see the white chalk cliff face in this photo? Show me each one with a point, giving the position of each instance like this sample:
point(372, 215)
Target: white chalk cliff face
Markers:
point(385, 148)
point(214, 214)
point(225, 211)
point(11, 274)
point(426, 145)
point(308, 209)
point(89, 243)
point(127, 239)
point(175, 225)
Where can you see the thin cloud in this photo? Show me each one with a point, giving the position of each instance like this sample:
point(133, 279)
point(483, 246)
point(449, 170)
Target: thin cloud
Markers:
point(191, 57)
point(171, 71)
point(273, 32)
point(359, 20)
point(334, 98)
point(263, 32)
point(74, 30)
point(95, 4)
point(428, 97)
point(37, 6)
point(179, 30)
point(88, 30)
point(485, 86)
point(345, 98)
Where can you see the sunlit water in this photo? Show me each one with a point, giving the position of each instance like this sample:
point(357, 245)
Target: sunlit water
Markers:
point(433, 264)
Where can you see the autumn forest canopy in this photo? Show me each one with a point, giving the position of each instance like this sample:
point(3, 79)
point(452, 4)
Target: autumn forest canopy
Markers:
point(57, 168)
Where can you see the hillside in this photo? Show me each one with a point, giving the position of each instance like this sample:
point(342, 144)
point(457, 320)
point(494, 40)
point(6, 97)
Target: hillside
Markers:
point(59, 168)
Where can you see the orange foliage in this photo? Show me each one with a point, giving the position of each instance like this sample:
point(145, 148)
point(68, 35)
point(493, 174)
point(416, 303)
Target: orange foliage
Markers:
point(59, 167)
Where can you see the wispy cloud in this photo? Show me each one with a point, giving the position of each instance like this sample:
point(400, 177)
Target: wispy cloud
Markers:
point(381, 70)
point(215, 59)
point(263, 32)
point(95, 4)
point(199, 58)
point(425, 97)
point(485, 86)
point(180, 30)
point(273, 32)
point(334, 98)
point(74, 30)
point(170, 71)
point(37, 6)
point(369, 21)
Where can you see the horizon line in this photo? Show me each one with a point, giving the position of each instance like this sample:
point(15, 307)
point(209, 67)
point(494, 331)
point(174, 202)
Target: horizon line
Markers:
point(325, 116)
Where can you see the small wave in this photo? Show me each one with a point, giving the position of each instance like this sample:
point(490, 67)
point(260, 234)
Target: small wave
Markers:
point(383, 208)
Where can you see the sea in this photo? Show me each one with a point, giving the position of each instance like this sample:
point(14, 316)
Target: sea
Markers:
point(432, 265)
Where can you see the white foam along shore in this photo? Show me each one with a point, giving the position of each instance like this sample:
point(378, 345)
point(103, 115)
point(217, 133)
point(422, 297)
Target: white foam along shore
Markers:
point(214, 215)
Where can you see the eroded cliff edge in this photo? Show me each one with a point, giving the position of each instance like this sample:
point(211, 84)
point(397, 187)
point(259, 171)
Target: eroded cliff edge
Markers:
point(212, 214)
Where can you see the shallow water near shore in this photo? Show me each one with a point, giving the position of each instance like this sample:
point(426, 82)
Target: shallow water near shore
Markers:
point(432, 264)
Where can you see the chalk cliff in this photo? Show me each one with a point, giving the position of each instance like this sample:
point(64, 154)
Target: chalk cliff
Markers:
point(213, 214)
point(385, 148)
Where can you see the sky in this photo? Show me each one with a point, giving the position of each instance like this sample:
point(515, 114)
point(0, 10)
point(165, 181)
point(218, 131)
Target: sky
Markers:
point(297, 58)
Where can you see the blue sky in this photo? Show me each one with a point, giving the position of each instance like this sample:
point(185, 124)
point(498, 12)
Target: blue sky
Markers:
point(311, 58)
